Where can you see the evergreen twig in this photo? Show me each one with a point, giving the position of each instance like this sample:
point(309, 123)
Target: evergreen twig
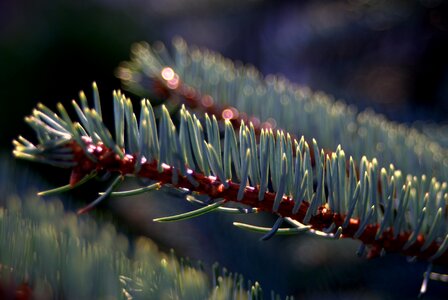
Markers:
point(406, 215)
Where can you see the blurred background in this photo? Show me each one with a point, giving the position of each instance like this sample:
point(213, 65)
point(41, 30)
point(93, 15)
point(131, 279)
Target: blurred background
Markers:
point(388, 55)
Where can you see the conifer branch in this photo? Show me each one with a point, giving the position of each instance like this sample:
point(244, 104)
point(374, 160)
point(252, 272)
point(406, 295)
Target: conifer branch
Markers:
point(204, 79)
point(273, 174)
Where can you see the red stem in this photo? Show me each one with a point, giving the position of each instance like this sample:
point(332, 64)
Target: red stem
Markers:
point(111, 162)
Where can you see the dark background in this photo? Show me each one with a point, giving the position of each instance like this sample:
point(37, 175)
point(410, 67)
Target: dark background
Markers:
point(389, 55)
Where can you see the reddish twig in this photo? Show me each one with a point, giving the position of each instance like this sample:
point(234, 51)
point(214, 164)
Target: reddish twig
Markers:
point(109, 161)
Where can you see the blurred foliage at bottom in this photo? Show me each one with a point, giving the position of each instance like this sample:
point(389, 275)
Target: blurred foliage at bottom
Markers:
point(49, 253)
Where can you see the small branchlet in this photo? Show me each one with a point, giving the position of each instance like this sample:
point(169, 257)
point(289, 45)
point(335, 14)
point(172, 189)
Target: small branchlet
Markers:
point(273, 174)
